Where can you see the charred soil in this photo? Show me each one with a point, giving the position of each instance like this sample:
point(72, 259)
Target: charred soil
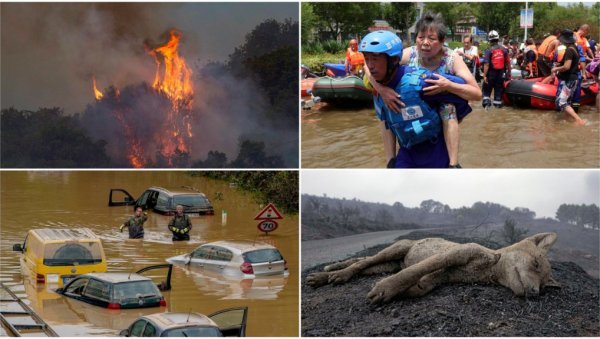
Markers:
point(454, 310)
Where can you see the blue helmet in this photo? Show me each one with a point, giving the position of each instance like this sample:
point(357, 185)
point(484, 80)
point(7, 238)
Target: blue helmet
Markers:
point(381, 42)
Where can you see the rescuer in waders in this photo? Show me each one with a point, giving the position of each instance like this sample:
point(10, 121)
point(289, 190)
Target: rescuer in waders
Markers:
point(390, 80)
point(180, 225)
point(135, 224)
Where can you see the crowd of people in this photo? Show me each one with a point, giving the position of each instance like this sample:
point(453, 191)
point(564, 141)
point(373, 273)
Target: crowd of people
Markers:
point(565, 58)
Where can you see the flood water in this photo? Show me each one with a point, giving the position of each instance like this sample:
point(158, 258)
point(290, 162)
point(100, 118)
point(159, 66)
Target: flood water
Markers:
point(498, 138)
point(40, 199)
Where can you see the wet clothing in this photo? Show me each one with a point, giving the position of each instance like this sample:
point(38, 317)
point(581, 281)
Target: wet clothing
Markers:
point(572, 73)
point(564, 93)
point(432, 153)
point(135, 225)
point(180, 225)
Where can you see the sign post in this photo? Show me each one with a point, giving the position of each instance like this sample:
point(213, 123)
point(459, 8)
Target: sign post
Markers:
point(526, 18)
point(267, 218)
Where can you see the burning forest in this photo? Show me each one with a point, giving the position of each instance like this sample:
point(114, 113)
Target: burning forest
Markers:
point(153, 121)
point(117, 89)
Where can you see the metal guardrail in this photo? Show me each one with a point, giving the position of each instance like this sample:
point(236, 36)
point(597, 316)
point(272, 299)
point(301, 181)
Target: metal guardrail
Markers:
point(11, 306)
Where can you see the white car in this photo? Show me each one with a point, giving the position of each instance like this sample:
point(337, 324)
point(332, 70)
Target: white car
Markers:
point(244, 259)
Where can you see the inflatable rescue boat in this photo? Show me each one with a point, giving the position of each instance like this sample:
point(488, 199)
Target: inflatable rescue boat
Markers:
point(531, 93)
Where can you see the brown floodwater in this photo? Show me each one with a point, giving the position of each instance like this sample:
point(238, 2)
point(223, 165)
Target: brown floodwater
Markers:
point(55, 199)
point(498, 138)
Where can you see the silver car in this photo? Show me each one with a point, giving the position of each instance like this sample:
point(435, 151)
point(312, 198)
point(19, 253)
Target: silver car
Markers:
point(230, 322)
point(244, 259)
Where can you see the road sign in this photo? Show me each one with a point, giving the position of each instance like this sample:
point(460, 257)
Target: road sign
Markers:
point(269, 212)
point(526, 18)
point(267, 225)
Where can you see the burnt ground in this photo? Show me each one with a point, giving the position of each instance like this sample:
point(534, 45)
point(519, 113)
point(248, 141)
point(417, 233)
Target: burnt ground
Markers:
point(454, 310)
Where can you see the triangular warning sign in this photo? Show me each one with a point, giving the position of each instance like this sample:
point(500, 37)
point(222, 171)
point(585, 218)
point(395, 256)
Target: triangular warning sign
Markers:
point(269, 212)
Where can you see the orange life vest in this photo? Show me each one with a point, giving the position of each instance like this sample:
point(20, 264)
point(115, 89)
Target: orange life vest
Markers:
point(543, 50)
point(582, 41)
point(355, 58)
point(534, 62)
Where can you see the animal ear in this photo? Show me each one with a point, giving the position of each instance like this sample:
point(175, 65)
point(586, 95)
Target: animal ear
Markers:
point(543, 240)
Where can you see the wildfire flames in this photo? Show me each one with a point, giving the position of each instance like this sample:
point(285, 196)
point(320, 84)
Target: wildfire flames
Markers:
point(173, 80)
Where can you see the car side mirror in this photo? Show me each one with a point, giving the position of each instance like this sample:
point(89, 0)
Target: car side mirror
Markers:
point(17, 248)
point(124, 333)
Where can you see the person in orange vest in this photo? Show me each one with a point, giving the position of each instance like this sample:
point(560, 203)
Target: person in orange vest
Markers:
point(582, 41)
point(530, 59)
point(354, 59)
point(568, 76)
point(544, 60)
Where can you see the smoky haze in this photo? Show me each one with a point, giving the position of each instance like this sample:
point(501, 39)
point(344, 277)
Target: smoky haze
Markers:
point(50, 51)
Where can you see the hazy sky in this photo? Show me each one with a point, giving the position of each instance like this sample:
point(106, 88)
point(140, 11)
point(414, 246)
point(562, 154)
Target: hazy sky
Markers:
point(50, 50)
point(539, 190)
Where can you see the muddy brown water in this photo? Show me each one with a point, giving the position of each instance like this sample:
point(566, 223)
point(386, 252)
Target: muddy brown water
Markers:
point(498, 138)
point(40, 199)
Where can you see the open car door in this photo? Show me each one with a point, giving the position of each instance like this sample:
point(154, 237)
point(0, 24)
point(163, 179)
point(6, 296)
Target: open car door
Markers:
point(165, 281)
point(121, 197)
point(231, 321)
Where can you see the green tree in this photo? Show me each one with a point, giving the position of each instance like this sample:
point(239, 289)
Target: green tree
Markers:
point(400, 15)
point(452, 12)
point(343, 18)
point(309, 22)
point(497, 16)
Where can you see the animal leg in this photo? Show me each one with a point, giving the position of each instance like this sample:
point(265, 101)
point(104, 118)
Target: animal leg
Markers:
point(427, 283)
point(395, 252)
point(342, 264)
point(386, 289)
point(354, 266)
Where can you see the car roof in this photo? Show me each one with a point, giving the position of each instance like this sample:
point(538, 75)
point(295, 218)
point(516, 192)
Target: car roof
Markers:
point(241, 246)
point(116, 278)
point(178, 190)
point(65, 234)
point(169, 320)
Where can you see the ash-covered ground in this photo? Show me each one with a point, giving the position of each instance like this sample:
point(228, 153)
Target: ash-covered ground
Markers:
point(454, 310)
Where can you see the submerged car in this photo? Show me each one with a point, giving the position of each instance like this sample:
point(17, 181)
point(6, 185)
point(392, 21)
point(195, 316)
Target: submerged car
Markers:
point(164, 201)
point(230, 322)
point(58, 255)
point(245, 259)
point(118, 290)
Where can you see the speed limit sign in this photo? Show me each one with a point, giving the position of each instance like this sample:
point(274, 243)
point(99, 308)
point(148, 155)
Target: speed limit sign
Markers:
point(267, 225)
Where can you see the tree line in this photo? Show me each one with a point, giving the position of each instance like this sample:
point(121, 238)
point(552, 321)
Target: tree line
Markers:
point(583, 215)
point(278, 187)
point(323, 21)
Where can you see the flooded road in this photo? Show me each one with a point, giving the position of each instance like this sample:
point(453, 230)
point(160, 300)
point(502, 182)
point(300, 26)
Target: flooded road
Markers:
point(499, 138)
point(40, 199)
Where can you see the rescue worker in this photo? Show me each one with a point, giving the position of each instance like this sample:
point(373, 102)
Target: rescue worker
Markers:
point(496, 68)
point(355, 60)
point(582, 41)
point(568, 76)
point(383, 50)
point(135, 224)
point(180, 225)
point(530, 59)
point(544, 60)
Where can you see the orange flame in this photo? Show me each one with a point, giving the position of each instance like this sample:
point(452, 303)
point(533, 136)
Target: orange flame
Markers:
point(97, 92)
point(176, 81)
point(176, 84)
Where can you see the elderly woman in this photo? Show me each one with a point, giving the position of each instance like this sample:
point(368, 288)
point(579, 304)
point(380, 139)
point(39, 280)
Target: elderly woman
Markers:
point(429, 52)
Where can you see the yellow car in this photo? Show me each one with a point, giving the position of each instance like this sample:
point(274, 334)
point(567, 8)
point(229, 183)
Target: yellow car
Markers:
point(56, 256)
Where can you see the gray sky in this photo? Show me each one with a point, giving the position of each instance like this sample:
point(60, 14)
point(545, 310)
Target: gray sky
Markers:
point(539, 190)
point(50, 50)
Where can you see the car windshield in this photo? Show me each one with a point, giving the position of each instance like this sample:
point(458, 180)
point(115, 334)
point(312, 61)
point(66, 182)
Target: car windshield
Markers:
point(135, 289)
point(193, 331)
point(191, 200)
point(266, 255)
point(72, 253)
